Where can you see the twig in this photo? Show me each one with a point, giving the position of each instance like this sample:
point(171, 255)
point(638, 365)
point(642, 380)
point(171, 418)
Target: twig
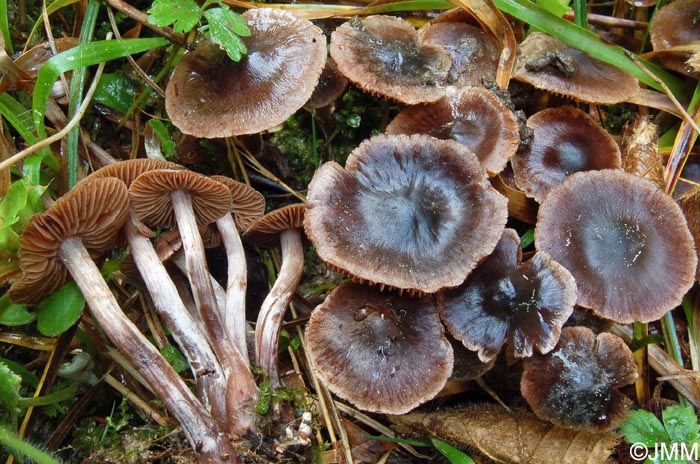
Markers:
point(141, 17)
point(63, 132)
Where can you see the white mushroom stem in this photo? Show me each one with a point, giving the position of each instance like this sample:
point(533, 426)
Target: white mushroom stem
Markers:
point(243, 392)
point(269, 323)
point(206, 369)
point(201, 430)
point(234, 310)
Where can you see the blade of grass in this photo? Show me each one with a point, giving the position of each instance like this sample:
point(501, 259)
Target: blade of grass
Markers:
point(50, 9)
point(5, 26)
point(581, 13)
point(76, 91)
point(454, 455)
point(587, 41)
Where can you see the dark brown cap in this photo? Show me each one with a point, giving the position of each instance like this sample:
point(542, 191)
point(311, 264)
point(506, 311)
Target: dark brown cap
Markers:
point(675, 25)
point(267, 228)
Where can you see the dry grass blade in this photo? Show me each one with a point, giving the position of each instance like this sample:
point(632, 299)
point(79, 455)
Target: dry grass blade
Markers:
point(640, 150)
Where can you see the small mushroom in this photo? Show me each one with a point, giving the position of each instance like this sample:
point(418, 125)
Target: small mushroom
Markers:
point(80, 225)
point(690, 204)
point(473, 117)
point(623, 239)
point(382, 352)
point(672, 28)
point(504, 299)
point(410, 212)
point(211, 96)
point(384, 55)
point(285, 223)
point(576, 385)
point(565, 140)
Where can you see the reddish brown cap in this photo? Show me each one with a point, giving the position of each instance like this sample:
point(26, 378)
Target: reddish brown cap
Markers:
point(94, 210)
point(150, 196)
point(674, 25)
point(383, 55)
point(212, 96)
point(331, 85)
point(380, 351)
point(247, 204)
point(473, 117)
point(504, 299)
point(621, 238)
point(128, 170)
point(411, 212)
point(549, 64)
point(690, 204)
point(565, 140)
point(267, 228)
point(576, 384)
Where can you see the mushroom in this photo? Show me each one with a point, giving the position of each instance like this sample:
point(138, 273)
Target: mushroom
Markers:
point(211, 96)
point(690, 204)
point(576, 385)
point(384, 55)
point(164, 198)
point(622, 239)
point(382, 352)
point(672, 29)
point(80, 225)
point(285, 223)
point(410, 212)
point(565, 140)
point(247, 205)
point(526, 303)
point(473, 117)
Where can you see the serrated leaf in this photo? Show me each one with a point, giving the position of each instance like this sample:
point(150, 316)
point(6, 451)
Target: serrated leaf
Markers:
point(454, 455)
point(14, 314)
point(9, 388)
point(225, 29)
point(60, 311)
point(175, 358)
point(643, 427)
point(182, 14)
point(681, 424)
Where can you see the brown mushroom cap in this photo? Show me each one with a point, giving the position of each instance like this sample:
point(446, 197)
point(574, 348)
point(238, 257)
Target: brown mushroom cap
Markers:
point(525, 303)
point(675, 24)
point(383, 55)
point(382, 352)
point(212, 96)
point(625, 242)
point(247, 204)
point(268, 228)
point(150, 196)
point(565, 140)
point(474, 53)
point(331, 85)
point(411, 212)
point(128, 170)
point(95, 211)
point(473, 117)
point(690, 204)
point(591, 80)
point(575, 385)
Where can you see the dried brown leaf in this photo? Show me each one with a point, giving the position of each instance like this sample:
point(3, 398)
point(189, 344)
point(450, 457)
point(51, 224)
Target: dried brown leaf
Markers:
point(640, 150)
point(517, 437)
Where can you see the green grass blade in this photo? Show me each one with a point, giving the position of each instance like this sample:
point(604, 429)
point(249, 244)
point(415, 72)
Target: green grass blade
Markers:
point(587, 41)
point(50, 9)
point(80, 56)
point(76, 92)
point(454, 455)
point(5, 26)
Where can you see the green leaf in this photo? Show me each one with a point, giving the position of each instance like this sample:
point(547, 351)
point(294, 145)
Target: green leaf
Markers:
point(454, 455)
point(175, 358)
point(556, 7)
point(182, 14)
point(20, 203)
point(681, 424)
point(9, 389)
point(14, 314)
point(60, 311)
point(225, 27)
point(528, 238)
point(166, 144)
point(643, 427)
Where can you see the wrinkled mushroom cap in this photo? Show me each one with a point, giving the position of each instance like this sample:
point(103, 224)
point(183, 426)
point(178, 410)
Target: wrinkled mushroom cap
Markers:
point(575, 385)
point(526, 304)
point(94, 210)
point(411, 212)
point(150, 196)
point(382, 352)
point(591, 80)
point(268, 228)
point(212, 96)
point(621, 238)
point(565, 140)
point(383, 55)
point(473, 117)
point(247, 204)
point(128, 170)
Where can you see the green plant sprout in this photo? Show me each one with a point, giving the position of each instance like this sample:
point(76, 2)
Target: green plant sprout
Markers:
point(224, 26)
point(678, 434)
point(452, 454)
